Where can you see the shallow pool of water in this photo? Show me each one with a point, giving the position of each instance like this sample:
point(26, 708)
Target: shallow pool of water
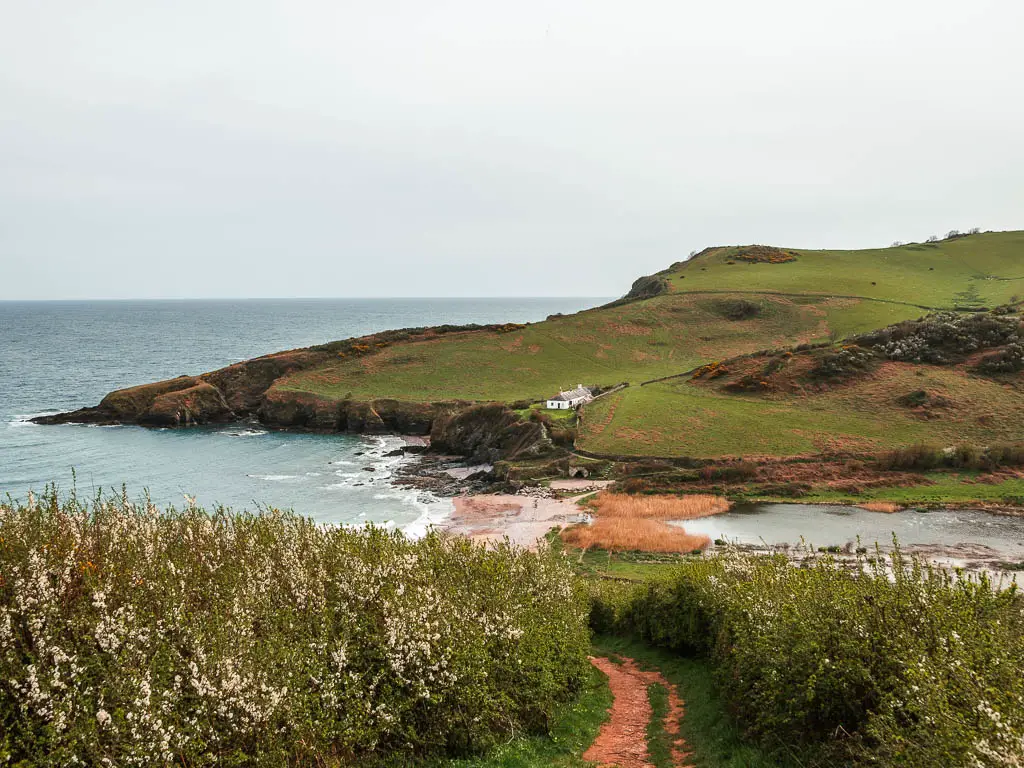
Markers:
point(828, 525)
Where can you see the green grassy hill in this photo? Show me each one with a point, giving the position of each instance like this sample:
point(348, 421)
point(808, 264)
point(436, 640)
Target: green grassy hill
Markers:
point(982, 269)
point(723, 303)
point(817, 295)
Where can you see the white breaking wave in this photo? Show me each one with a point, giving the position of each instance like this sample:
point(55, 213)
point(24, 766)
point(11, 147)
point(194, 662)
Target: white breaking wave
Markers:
point(249, 432)
point(24, 419)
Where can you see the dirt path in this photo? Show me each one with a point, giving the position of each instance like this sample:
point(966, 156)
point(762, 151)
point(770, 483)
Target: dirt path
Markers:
point(622, 741)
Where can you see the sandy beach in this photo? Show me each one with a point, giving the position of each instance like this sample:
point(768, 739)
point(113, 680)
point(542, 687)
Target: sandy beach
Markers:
point(523, 519)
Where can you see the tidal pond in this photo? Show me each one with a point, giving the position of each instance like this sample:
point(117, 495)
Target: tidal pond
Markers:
point(960, 532)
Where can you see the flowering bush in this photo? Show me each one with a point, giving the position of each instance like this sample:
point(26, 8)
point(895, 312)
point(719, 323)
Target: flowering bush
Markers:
point(134, 636)
point(891, 663)
point(943, 337)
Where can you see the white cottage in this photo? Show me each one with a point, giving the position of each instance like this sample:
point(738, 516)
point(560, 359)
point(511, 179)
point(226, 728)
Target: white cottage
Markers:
point(574, 397)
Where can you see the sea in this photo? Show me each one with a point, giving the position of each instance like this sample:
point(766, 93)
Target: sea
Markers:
point(62, 355)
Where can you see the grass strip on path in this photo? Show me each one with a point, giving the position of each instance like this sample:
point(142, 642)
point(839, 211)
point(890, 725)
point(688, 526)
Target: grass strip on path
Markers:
point(712, 738)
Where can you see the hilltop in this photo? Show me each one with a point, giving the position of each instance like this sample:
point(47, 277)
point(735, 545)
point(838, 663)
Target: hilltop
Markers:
point(723, 303)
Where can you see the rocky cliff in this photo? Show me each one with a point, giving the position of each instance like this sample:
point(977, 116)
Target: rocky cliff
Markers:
point(486, 432)
point(489, 432)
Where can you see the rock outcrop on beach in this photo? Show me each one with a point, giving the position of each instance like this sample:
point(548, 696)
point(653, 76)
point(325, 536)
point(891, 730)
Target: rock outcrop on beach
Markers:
point(488, 433)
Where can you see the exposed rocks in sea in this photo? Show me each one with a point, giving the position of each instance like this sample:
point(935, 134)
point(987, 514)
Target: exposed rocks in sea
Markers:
point(180, 402)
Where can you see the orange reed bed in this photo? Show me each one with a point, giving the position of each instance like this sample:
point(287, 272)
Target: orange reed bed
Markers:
point(665, 507)
point(880, 506)
point(633, 523)
point(633, 535)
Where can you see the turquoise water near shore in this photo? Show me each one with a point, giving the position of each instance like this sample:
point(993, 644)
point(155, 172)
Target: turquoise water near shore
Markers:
point(56, 356)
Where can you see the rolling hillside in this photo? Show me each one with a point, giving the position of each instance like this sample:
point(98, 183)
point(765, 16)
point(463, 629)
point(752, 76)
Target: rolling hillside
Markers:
point(818, 294)
point(723, 303)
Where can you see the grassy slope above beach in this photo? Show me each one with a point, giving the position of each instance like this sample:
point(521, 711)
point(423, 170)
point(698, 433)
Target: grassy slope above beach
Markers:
point(818, 294)
point(717, 305)
point(677, 417)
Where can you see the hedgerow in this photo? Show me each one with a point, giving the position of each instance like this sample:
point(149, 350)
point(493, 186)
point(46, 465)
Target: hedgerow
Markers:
point(890, 663)
point(922, 457)
point(135, 636)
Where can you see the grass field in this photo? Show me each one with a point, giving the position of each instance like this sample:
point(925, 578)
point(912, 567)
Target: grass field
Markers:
point(718, 306)
point(630, 343)
point(825, 293)
point(679, 418)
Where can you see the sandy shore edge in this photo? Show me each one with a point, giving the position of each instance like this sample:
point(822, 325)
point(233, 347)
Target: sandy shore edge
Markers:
point(522, 519)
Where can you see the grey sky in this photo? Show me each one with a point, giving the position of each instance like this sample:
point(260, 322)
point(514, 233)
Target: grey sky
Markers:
point(158, 149)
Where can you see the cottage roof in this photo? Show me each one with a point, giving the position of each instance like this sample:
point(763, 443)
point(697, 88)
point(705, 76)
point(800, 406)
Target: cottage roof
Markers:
point(573, 394)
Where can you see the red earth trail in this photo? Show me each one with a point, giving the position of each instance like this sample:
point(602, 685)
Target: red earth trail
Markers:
point(622, 741)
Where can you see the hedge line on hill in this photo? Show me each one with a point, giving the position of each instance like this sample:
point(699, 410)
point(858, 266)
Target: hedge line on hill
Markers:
point(135, 636)
point(893, 663)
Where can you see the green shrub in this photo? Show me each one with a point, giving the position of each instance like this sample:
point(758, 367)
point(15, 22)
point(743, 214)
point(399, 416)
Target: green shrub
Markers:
point(737, 309)
point(890, 663)
point(145, 637)
point(609, 602)
point(842, 363)
point(729, 473)
point(915, 457)
point(1005, 454)
point(922, 457)
point(1010, 359)
point(564, 436)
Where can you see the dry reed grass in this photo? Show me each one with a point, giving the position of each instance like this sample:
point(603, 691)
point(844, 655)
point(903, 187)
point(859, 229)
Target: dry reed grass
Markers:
point(625, 506)
point(633, 523)
point(880, 506)
point(637, 534)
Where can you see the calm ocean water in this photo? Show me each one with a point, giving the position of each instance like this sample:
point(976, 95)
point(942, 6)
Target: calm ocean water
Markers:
point(64, 355)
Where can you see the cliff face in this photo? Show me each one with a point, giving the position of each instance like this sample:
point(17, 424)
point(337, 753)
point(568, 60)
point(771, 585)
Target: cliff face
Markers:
point(488, 433)
point(289, 409)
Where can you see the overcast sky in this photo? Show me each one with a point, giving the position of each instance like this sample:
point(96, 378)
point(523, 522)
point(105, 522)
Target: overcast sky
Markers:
point(471, 148)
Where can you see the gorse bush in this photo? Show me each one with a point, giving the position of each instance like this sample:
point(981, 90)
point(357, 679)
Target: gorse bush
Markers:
point(892, 663)
point(737, 309)
point(133, 636)
point(729, 473)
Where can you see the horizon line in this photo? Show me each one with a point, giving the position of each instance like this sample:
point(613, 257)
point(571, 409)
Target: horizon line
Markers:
point(293, 298)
